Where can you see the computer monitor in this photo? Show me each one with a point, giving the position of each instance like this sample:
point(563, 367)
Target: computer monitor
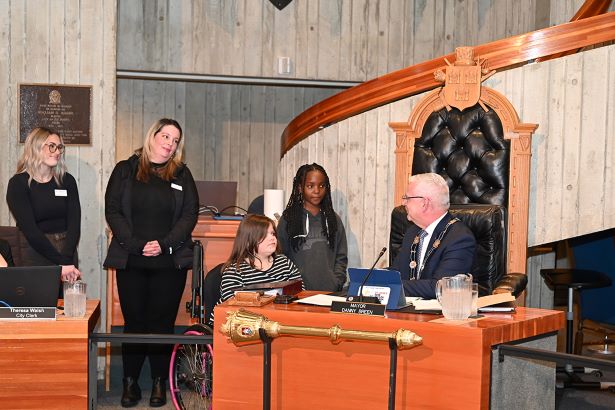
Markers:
point(218, 194)
point(30, 286)
point(385, 284)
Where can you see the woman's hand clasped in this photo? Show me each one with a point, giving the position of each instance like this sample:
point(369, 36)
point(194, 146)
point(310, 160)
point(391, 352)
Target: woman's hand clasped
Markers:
point(152, 248)
point(70, 273)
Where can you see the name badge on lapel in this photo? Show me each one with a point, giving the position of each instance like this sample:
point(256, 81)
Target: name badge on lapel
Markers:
point(175, 186)
point(61, 192)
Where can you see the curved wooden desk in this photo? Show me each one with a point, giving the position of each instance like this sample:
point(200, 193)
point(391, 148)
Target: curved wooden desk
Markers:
point(44, 364)
point(452, 369)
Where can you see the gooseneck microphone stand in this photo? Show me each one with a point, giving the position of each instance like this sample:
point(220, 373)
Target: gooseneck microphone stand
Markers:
point(370, 299)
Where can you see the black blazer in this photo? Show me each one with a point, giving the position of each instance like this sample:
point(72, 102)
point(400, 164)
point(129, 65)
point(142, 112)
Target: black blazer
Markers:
point(5, 250)
point(178, 241)
point(454, 255)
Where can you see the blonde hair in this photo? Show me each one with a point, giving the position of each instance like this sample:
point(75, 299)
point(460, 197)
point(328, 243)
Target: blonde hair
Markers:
point(31, 160)
point(167, 172)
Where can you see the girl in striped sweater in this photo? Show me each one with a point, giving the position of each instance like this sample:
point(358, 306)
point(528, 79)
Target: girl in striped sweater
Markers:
point(255, 258)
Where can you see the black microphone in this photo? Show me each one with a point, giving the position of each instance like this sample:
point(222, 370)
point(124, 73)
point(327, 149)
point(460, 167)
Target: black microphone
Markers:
point(370, 299)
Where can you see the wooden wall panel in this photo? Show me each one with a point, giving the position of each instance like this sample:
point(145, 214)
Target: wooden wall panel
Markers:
point(232, 131)
point(64, 42)
point(325, 39)
point(538, 294)
point(572, 178)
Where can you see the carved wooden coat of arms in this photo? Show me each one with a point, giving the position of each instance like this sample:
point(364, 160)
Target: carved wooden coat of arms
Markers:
point(462, 80)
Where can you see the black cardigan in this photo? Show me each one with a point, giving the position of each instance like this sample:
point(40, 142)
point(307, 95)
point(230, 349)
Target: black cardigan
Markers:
point(118, 214)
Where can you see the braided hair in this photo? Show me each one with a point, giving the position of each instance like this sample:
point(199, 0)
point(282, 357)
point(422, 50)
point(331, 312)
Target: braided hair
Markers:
point(293, 214)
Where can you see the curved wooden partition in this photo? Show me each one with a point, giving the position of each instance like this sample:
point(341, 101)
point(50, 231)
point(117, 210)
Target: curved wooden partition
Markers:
point(501, 54)
point(588, 9)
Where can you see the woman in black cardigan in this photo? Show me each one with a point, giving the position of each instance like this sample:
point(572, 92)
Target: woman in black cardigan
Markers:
point(151, 206)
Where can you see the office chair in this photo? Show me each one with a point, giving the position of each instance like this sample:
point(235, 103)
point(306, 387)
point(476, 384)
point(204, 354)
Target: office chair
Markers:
point(257, 206)
point(11, 235)
point(211, 291)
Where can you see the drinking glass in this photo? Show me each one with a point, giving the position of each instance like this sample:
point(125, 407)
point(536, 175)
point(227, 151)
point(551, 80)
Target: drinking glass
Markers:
point(74, 299)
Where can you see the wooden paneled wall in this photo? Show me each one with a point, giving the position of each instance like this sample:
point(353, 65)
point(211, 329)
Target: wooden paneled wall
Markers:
point(64, 42)
point(572, 178)
point(572, 188)
point(351, 40)
point(232, 131)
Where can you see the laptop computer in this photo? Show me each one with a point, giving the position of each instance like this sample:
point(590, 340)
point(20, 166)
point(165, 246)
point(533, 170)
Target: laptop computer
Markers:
point(385, 284)
point(30, 286)
point(218, 194)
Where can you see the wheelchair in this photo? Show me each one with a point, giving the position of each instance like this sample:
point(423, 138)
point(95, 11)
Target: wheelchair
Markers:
point(191, 366)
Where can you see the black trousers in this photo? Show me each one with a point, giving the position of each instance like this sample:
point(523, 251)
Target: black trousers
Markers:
point(149, 299)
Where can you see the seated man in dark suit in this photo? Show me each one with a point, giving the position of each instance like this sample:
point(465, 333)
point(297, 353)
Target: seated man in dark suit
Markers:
point(435, 245)
point(6, 258)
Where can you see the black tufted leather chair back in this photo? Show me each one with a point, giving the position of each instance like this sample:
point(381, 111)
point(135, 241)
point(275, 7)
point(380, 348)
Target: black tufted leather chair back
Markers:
point(467, 148)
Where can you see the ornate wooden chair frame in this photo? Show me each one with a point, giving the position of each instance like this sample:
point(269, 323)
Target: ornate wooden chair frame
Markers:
point(520, 135)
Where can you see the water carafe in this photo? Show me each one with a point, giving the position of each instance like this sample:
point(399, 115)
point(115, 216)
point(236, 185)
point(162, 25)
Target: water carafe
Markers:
point(455, 296)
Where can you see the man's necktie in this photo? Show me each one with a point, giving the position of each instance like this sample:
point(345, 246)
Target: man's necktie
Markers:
point(419, 249)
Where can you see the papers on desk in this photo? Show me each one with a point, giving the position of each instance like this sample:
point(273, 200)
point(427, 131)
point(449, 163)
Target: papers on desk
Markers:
point(427, 304)
point(321, 300)
point(485, 303)
point(418, 303)
point(495, 299)
point(411, 299)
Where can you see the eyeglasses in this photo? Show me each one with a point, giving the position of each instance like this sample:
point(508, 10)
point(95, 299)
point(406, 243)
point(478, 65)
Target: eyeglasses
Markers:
point(53, 147)
point(406, 198)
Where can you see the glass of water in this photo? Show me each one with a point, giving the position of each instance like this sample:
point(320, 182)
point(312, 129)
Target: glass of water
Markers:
point(74, 299)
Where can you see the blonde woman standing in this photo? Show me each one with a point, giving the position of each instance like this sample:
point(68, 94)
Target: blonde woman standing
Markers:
point(151, 206)
point(44, 200)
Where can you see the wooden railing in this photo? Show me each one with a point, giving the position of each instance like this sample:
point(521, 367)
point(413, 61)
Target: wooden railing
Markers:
point(501, 54)
point(588, 9)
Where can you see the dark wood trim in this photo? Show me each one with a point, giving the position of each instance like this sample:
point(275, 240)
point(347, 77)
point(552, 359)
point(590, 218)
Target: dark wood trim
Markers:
point(500, 55)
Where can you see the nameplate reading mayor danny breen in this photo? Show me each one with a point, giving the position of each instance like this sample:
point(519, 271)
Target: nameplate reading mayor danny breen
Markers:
point(27, 313)
point(358, 308)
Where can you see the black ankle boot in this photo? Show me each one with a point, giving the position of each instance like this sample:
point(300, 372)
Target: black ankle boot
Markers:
point(132, 392)
point(159, 393)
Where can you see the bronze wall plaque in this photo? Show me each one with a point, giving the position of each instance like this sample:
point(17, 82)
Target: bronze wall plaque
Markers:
point(65, 109)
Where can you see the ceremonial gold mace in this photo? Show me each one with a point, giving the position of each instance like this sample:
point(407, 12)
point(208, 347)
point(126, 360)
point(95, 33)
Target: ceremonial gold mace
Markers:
point(242, 327)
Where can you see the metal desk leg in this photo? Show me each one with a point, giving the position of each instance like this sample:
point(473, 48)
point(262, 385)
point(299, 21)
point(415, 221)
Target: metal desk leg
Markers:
point(266, 368)
point(92, 374)
point(569, 321)
point(392, 372)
